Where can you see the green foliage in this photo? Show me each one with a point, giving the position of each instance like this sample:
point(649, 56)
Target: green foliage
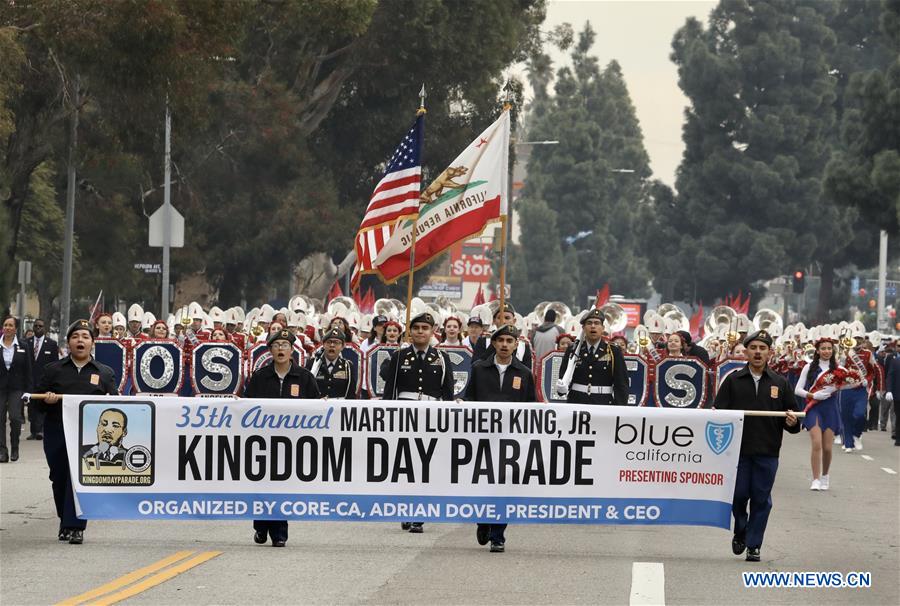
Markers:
point(282, 115)
point(577, 186)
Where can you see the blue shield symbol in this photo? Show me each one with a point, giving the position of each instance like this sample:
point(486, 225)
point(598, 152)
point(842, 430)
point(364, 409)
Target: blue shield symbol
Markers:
point(718, 436)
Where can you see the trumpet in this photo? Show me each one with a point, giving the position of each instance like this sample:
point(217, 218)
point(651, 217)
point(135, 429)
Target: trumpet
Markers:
point(257, 330)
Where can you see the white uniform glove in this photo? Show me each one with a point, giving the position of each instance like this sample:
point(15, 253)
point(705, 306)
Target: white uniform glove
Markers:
point(889, 396)
point(821, 395)
point(26, 397)
point(561, 387)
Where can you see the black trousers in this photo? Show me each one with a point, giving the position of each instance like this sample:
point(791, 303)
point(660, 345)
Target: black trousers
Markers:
point(63, 497)
point(276, 529)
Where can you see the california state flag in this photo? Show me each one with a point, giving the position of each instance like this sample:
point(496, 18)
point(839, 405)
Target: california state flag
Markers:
point(470, 194)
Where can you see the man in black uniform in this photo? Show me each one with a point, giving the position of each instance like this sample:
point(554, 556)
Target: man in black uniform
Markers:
point(335, 375)
point(600, 375)
point(757, 387)
point(500, 379)
point(280, 379)
point(76, 374)
point(504, 316)
point(45, 350)
point(418, 372)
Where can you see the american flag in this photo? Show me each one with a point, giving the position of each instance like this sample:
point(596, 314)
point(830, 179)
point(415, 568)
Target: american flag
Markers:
point(396, 196)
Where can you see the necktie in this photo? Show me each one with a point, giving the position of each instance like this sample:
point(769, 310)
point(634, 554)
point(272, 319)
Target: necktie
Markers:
point(37, 349)
point(421, 356)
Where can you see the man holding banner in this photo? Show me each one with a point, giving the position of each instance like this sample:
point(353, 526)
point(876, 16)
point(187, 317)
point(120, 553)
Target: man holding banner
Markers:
point(77, 373)
point(280, 379)
point(501, 378)
point(757, 387)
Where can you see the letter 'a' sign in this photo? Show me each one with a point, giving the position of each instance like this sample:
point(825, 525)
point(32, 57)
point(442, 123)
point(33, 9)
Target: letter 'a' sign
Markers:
point(115, 355)
point(157, 367)
point(217, 369)
point(680, 383)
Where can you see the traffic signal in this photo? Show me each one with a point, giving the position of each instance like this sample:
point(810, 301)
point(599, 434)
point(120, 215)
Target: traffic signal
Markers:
point(799, 281)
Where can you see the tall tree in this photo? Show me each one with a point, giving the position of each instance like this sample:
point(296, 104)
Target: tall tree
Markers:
point(757, 134)
point(592, 184)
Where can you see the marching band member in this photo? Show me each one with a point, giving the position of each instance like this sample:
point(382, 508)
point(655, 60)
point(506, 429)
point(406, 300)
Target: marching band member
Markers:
point(393, 333)
point(220, 336)
point(756, 387)
point(500, 379)
point(135, 317)
point(564, 341)
point(822, 420)
point(335, 375)
point(418, 372)
point(76, 374)
point(600, 375)
point(280, 379)
point(452, 331)
point(104, 326)
point(119, 325)
point(146, 324)
point(159, 330)
point(675, 346)
point(375, 334)
point(474, 328)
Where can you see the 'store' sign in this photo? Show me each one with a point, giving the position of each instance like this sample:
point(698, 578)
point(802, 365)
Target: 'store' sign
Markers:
point(403, 461)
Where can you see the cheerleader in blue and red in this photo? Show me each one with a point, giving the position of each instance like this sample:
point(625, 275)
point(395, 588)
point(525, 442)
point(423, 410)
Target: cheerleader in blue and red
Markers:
point(823, 421)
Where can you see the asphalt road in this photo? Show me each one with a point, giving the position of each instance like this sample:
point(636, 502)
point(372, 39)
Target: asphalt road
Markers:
point(852, 527)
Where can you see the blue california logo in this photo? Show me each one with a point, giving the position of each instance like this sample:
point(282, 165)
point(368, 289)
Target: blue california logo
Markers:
point(718, 436)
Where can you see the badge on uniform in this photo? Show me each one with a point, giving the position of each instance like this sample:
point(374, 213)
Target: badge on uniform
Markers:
point(295, 391)
point(341, 374)
point(95, 379)
point(773, 391)
point(517, 383)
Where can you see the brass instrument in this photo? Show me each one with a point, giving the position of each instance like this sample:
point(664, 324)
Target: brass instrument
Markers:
point(616, 319)
point(642, 336)
point(720, 316)
point(768, 320)
point(257, 330)
point(809, 350)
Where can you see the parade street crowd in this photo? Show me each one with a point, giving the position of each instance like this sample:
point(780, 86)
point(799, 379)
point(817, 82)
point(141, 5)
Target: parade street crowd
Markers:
point(845, 380)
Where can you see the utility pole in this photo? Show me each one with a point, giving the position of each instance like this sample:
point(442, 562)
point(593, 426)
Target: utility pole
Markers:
point(167, 214)
point(882, 280)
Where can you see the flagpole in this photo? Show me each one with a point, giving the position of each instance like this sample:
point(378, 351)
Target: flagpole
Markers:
point(504, 220)
point(412, 246)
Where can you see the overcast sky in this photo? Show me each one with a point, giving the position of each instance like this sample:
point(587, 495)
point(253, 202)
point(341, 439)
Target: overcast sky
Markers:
point(638, 34)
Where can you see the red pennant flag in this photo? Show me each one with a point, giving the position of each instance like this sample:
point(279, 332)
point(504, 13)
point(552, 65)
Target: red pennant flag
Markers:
point(738, 304)
point(697, 322)
point(479, 297)
point(335, 291)
point(493, 296)
point(368, 302)
point(602, 296)
point(745, 308)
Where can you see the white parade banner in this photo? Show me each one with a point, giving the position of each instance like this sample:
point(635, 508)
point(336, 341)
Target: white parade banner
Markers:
point(186, 458)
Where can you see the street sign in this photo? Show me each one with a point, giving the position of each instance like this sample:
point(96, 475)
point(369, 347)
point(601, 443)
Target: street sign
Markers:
point(157, 224)
point(24, 272)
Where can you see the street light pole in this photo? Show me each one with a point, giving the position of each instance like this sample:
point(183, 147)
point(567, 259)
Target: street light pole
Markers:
point(65, 303)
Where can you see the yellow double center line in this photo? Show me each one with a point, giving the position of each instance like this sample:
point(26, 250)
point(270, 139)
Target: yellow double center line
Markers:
point(159, 572)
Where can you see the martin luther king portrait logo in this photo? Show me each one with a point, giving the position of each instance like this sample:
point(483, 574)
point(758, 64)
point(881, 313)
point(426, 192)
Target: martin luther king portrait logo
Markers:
point(116, 447)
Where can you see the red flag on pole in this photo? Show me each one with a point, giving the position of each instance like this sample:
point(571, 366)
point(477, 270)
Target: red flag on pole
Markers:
point(697, 323)
point(493, 296)
point(745, 308)
point(335, 291)
point(479, 297)
point(368, 302)
point(96, 308)
point(602, 296)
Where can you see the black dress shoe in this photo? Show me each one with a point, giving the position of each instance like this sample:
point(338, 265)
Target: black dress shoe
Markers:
point(39, 436)
point(483, 534)
point(753, 554)
point(31, 436)
point(416, 529)
point(737, 546)
point(259, 537)
point(64, 534)
point(4, 458)
point(405, 525)
point(14, 454)
point(278, 542)
point(497, 547)
point(76, 537)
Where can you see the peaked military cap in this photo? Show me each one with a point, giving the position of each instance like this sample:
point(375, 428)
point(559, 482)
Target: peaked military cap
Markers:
point(760, 335)
point(503, 331)
point(594, 314)
point(282, 335)
point(334, 333)
point(79, 325)
point(507, 306)
point(425, 317)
